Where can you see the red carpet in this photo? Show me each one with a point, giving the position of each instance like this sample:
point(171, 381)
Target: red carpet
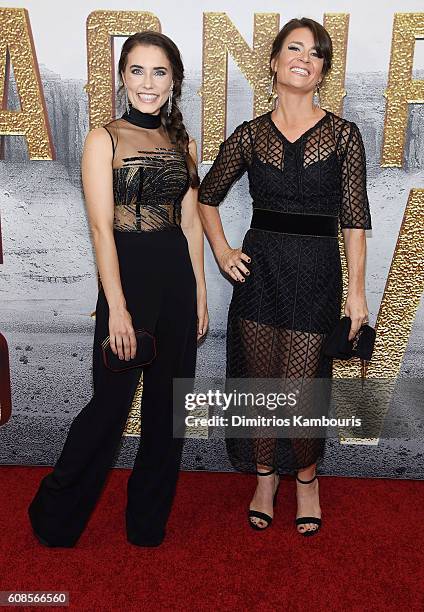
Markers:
point(367, 557)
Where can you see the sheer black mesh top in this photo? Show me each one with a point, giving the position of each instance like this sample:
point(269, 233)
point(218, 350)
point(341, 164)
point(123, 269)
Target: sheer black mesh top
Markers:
point(150, 178)
point(322, 172)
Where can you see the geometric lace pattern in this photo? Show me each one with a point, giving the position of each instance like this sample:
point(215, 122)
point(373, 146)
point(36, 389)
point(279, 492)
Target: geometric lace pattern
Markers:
point(322, 172)
point(280, 316)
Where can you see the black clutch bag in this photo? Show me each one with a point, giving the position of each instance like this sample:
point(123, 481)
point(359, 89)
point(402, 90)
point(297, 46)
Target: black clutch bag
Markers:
point(146, 352)
point(338, 346)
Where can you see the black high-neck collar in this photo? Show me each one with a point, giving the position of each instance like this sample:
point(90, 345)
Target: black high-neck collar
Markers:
point(144, 120)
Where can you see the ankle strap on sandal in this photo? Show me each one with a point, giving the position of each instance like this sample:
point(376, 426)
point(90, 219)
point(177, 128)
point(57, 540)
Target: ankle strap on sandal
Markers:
point(265, 473)
point(306, 481)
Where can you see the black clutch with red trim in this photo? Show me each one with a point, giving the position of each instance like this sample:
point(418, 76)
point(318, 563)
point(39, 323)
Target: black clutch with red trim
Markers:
point(145, 354)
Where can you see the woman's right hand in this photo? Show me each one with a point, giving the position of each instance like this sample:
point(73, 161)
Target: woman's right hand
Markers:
point(122, 336)
point(231, 262)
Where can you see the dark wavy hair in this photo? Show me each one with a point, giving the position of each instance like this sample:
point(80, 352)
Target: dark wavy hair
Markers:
point(323, 42)
point(174, 123)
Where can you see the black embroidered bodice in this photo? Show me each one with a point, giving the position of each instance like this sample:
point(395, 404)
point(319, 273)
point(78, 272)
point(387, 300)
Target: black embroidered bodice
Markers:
point(150, 176)
point(322, 172)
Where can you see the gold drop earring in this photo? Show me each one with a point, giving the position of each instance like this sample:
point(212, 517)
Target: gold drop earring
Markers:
point(127, 105)
point(272, 94)
point(171, 91)
point(317, 97)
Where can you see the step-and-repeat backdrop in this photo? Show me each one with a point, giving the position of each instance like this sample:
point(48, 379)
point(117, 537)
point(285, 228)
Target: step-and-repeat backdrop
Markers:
point(58, 81)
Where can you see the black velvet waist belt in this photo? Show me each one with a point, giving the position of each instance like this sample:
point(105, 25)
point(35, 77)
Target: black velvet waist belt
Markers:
point(294, 223)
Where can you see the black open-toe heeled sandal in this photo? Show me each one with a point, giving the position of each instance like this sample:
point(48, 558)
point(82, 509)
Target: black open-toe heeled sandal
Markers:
point(262, 515)
point(302, 520)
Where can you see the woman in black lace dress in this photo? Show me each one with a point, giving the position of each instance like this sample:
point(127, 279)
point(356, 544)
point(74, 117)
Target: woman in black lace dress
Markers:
point(306, 169)
point(140, 183)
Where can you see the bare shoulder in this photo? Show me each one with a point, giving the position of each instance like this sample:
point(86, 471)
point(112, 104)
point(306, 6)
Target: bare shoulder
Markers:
point(98, 146)
point(97, 137)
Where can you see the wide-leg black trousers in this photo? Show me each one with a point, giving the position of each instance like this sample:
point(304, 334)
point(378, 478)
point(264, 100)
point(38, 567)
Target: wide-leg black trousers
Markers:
point(160, 290)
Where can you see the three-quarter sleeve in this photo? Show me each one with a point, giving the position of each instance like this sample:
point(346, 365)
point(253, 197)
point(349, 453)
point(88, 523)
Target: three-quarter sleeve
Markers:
point(355, 209)
point(229, 165)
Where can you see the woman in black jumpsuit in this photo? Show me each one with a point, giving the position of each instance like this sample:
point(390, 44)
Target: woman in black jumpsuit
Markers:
point(288, 299)
point(158, 269)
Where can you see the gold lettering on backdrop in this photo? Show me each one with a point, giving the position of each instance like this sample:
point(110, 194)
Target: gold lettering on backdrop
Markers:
point(402, 89)
point(333, 90)
point(400, 301)
point(220, 38)
point(17, 48)
point(402, 293)
point(102, 26)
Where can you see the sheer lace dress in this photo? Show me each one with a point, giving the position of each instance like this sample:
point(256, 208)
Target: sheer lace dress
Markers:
point(280, 316)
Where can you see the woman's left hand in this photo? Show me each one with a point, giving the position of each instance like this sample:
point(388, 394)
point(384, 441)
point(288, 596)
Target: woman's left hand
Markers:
point(356, 308)
point(202, 316)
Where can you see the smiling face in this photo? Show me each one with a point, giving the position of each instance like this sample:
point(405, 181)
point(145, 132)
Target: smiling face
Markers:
point(148, 78)
point(298, 65)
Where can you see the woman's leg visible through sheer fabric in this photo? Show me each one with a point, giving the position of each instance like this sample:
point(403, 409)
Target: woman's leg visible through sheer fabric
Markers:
point(307, 366)
point(292, 355)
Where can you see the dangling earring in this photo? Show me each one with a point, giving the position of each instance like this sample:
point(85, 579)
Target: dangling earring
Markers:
point(127, 105)
point(271, 93)
point(169, 109)
point(317, 97)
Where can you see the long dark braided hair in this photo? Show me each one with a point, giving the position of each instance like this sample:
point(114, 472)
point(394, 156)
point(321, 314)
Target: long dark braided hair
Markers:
point(174, 123)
